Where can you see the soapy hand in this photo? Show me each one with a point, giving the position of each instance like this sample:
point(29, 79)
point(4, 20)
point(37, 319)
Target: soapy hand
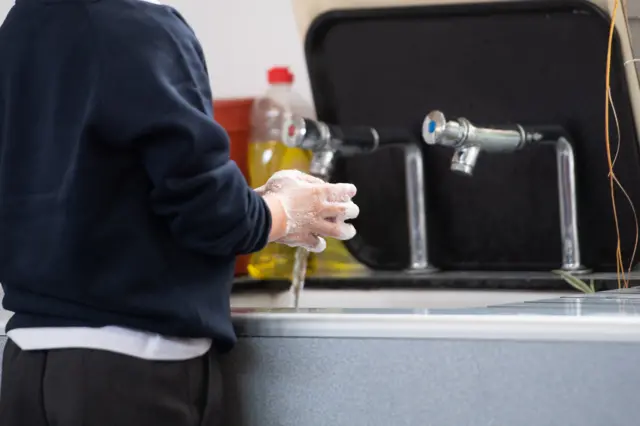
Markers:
point(313, 208)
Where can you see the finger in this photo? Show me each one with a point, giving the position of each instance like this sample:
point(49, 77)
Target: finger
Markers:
point(338, 230)
point(340, 211)
point(336, 192)
point(319, 246)
point(342, 192)
point(309, 242)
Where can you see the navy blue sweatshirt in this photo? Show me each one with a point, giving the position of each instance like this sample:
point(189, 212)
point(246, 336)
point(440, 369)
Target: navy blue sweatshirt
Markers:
point(119, 204)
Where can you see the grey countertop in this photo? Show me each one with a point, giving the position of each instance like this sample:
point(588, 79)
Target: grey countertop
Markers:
point(604, 316)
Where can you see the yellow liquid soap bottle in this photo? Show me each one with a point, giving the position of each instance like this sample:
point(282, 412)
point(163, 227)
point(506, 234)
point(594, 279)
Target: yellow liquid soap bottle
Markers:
point(267, 155)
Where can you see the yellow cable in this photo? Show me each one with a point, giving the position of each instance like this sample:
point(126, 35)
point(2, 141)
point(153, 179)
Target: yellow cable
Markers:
point(612, 176)
point(618, 133)
point(633, 209)
point(613, 180)
point(619, 264)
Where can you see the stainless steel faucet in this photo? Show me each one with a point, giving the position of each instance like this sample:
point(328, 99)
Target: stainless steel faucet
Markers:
point(469, 141)
point(327, 141)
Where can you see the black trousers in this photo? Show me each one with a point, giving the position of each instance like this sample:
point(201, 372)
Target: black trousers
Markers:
point(84, 387)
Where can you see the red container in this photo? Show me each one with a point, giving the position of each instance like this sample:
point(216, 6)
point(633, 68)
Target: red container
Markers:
point(235, 116)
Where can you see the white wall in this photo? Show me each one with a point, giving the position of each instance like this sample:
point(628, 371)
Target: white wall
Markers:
point(241, 40)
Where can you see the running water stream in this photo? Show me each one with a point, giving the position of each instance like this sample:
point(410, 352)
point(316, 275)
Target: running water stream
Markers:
point(321, 162)
point(299, 274)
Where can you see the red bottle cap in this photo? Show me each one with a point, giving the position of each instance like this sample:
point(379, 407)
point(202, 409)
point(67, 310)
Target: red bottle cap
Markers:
point(280, 75)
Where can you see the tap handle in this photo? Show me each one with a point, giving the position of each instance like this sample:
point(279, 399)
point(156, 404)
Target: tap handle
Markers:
point(436, 130)
point(301, 132)
point(305, 133)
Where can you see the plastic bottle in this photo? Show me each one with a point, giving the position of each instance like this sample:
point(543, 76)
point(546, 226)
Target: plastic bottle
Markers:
point(267, 155)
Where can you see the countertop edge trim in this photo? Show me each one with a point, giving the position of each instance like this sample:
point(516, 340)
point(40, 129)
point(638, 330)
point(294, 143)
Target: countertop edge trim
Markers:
point(461, 327)
point(521, 328)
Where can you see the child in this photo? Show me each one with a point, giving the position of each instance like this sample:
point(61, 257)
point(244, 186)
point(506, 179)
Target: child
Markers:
point(121, 215)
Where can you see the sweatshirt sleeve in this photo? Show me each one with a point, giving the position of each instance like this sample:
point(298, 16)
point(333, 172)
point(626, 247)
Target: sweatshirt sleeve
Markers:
point(155, 99)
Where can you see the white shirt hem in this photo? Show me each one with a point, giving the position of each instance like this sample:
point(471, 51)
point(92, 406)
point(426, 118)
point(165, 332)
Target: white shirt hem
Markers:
point(138, 344)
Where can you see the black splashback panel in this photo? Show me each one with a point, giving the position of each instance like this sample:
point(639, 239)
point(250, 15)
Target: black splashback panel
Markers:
point(523, 62)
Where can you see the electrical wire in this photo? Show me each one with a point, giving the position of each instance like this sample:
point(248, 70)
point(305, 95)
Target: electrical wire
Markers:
point(613, 180)
point(615, 118)
point(615, 115)
point(608, 142)
point(635, 216)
